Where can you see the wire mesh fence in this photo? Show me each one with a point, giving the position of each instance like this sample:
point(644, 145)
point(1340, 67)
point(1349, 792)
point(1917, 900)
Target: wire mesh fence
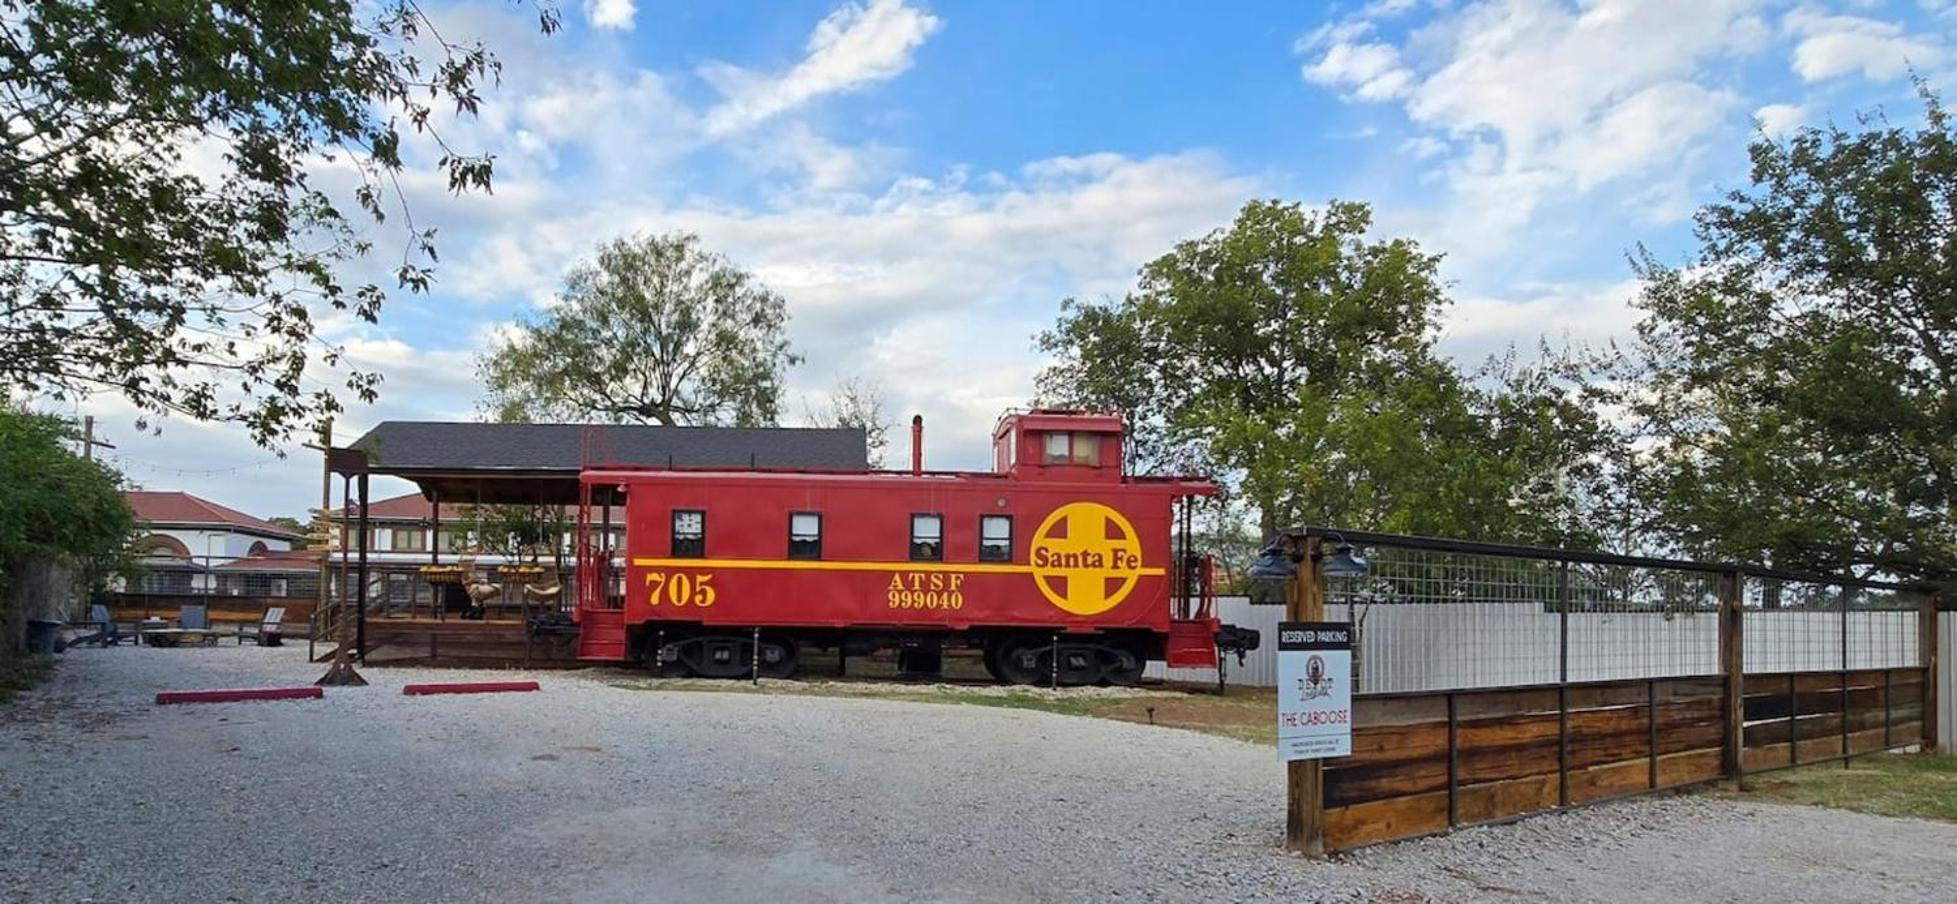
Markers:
point(490, 589)
point(265, 576)
point(1816, 626)
point(1429, 618)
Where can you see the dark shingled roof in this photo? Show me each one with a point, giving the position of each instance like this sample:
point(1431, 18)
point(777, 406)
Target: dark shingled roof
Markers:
point(409, 446)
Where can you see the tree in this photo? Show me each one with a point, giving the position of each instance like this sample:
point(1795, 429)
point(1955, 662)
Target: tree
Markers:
point(857, 402)
point(294, 525)
point(56, 507)
point(656, 330)
point(1294, 357)
point(1798, 388)
point(172, 177)
point(1209, 358)
point(513, 530)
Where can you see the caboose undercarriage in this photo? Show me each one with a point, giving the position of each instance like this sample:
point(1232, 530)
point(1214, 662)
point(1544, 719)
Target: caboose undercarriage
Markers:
point(1010, 655)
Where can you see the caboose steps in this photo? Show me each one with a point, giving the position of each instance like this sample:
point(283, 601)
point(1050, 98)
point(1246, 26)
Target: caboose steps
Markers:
point(601, 635)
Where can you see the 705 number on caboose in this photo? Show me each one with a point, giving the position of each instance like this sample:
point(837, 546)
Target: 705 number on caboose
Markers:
point(679, 589)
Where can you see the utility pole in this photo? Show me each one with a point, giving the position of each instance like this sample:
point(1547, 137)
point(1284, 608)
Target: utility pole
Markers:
point(88, 438)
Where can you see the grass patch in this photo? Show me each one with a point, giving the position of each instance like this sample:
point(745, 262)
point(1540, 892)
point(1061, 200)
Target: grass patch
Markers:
point(1246, 714)
point(22, 674)
point(1894, 784)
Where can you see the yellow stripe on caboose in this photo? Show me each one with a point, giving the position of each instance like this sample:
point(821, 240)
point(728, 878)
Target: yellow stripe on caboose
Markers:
point(810, 565)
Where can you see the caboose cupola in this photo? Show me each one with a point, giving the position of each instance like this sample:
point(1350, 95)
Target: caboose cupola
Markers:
point(1057, 444)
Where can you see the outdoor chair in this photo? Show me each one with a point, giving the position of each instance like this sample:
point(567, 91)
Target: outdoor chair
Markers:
point(269, 632)
point(102, 631)
point(194, 617)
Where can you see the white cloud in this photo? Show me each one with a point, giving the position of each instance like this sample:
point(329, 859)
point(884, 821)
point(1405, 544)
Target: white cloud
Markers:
point(1834, 46)
point(1424, 147)
point(1592, 313)
point(610, 13)
point(1372, 71)
point(932, 286)
point(1538, 74)
point(1637, 132)
point(1777, 120)
point(1541, 102)
point(921, 243)
point(854, 46)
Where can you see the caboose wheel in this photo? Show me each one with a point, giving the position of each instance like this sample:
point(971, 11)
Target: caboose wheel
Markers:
point(1121, 667)
point(1020, 662)
point(717, 656)
point(990, 656)
point(778, 657)
point(1080, 664)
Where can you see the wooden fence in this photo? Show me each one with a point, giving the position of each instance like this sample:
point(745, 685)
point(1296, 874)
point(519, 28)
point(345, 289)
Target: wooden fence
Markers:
point(222, 610)
point(1839, 669)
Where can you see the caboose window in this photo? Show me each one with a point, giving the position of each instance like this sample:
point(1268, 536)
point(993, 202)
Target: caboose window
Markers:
point(1058, 450)
point(689, 533)
point(927, 538)
point(1071, 449)
point(804, 535)
point(995, 538)
point(1087, 449)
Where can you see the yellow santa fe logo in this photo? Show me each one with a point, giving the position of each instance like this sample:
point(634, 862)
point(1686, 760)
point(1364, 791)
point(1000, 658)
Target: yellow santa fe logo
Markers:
point(1087, 558)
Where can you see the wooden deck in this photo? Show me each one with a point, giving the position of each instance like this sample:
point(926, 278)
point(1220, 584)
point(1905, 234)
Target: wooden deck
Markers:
point(459, 642)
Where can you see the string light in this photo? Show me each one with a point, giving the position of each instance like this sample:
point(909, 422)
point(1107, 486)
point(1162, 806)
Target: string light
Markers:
point(125, 462)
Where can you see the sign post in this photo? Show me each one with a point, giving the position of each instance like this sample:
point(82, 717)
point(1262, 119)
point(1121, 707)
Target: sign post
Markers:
point(1304, 793)
point(1314, 699)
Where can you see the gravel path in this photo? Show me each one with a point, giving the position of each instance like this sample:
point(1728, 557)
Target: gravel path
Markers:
point(589, 792)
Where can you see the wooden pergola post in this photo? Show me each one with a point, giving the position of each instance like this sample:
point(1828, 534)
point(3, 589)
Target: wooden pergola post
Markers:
point(341, 673)
point(1732, 665)
point(1926, 641)
point(1304, 818)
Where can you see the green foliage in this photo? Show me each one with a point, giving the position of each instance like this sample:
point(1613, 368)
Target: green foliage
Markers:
point(171, 182)
point(292, 524)
point(1295, 356)
point(857, 402)
point(23, 674)
point(56, 506)
point(1799, 379)
point(517, 531)
point(657, 330)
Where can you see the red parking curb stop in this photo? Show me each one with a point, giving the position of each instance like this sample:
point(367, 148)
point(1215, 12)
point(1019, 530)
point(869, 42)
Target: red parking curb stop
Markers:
point(470, 687)
point(232, 695)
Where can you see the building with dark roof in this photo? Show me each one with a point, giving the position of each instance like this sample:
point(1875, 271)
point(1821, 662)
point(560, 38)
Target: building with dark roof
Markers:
point(458, 466)
point(539, 463)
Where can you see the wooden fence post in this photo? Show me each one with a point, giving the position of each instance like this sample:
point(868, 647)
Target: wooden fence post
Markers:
point(1304, 818)
point(1926, 641)
point(1732, 664)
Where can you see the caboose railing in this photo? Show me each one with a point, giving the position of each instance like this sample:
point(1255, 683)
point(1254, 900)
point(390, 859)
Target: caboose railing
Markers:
point(591, 590)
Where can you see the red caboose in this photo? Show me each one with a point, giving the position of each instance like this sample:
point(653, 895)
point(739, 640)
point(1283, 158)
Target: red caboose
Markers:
point(1055, 564)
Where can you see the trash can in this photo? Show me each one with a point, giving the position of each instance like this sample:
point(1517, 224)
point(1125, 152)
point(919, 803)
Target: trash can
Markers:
point(43, 636)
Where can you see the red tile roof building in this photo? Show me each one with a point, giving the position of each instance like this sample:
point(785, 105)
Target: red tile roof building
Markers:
point(174, 508)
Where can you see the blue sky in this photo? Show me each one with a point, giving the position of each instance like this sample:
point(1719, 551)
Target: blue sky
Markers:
point(924, 181)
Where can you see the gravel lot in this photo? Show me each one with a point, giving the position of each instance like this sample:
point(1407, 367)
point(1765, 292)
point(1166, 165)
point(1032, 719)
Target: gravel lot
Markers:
point(590, 792)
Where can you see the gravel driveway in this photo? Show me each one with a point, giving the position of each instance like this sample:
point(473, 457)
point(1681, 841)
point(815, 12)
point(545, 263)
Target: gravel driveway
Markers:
point(591, 792)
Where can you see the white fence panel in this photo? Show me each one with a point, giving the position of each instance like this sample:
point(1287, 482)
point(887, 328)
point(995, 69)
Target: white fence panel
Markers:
point(1415, 647)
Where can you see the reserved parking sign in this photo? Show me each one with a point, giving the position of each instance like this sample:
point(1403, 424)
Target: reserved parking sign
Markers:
point(1314, 700)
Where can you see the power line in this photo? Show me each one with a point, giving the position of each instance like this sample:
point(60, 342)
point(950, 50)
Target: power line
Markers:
point(124, 461)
